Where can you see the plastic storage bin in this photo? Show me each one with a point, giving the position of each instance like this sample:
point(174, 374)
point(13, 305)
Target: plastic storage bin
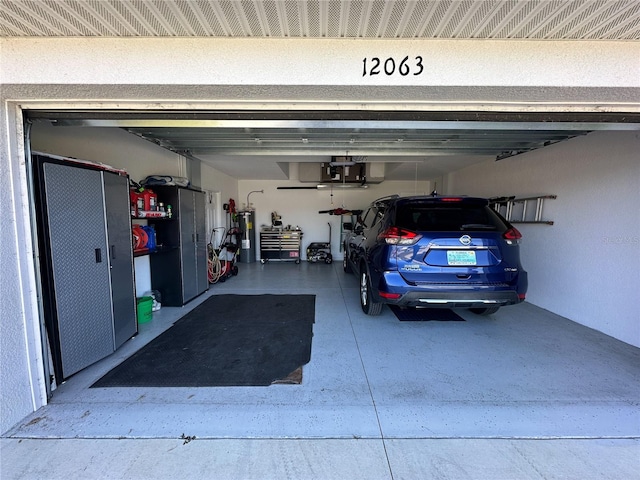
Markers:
point(145, 305)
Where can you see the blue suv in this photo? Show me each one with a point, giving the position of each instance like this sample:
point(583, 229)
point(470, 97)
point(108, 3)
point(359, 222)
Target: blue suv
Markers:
point(435, 251)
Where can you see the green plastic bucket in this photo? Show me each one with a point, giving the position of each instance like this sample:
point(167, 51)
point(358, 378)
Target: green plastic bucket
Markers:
point(145, 305)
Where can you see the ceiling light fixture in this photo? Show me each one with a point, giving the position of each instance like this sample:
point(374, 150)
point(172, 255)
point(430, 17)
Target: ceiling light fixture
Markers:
point(322, 186)
point(345, 161)
point(342, 164)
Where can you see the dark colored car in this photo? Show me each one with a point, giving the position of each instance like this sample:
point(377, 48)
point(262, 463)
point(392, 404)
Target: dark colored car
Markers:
point(435, 251)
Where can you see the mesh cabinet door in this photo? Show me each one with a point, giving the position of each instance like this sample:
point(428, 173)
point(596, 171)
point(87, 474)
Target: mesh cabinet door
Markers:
point(187, 244)
point(116, 190)
point(202, 278)
point(79, 259)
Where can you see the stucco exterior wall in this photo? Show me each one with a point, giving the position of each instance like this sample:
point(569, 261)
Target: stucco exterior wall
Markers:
point(263, 73)
point(21, 385)
point(315, 62)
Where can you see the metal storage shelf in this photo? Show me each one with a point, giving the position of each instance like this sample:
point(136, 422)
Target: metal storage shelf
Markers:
point(281, 245)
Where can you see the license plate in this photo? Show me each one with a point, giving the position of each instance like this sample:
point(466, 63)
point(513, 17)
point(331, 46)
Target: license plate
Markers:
point(461, 257)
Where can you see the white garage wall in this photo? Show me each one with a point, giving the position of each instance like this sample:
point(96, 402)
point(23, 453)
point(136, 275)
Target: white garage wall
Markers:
point(120, 149)
point(112, 146)
point(586, 266)
point(301, 207)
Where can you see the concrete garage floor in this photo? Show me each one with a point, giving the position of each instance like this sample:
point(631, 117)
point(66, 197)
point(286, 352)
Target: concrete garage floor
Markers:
point(523, 394)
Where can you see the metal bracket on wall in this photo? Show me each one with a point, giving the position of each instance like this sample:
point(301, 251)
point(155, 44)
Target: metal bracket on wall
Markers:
point(520, 210)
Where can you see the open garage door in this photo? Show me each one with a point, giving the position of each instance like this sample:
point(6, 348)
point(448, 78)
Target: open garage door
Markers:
point(241, 143)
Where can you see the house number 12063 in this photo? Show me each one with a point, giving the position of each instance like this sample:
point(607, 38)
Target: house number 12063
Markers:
point(390, 66)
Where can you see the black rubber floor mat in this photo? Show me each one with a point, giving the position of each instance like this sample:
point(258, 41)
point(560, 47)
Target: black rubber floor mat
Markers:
point(425, 314)
point(229, 340)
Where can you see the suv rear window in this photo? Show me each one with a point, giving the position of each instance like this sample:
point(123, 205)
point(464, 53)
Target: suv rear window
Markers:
point(372, 216)
point(444, 217)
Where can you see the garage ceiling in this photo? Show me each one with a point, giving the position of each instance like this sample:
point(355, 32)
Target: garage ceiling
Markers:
point(256, 146)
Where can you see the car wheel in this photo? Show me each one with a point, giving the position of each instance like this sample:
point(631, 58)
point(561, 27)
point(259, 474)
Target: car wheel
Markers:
point(369, 306)
point(484, 311)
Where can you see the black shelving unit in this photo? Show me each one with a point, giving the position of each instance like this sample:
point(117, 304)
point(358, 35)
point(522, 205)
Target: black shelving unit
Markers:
point(179, 263)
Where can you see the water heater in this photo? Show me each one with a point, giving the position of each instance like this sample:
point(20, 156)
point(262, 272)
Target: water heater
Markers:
point(246, 219)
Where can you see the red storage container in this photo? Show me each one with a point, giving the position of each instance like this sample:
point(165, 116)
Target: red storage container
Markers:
point(134, 198)
point(150, 200)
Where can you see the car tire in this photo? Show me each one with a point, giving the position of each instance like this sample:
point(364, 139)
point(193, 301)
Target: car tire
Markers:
point(346, 266)
point(369, 306)
point(484, 311)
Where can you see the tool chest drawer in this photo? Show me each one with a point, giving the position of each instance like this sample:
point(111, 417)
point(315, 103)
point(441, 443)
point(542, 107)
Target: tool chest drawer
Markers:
point(276, 244)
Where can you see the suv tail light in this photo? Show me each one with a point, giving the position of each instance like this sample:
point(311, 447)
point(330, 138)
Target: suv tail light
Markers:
point(512, 236)
point(399, 236)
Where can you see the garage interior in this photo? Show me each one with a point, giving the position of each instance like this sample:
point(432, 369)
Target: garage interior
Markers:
point(523, 373)
point(539, 370)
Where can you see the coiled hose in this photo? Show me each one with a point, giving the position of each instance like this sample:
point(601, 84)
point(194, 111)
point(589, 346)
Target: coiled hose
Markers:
point(214, 267)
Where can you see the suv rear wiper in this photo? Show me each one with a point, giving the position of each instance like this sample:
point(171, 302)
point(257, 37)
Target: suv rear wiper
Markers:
point(477, 226)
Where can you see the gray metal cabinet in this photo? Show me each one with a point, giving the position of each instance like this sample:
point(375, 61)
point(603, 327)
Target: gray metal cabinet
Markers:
point(120, 251)
point(193, 244)
point(201, 257)
point(86, 262)
point(179, 267)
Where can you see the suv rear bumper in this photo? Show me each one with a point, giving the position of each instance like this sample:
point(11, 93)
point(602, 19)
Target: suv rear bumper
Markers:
point(457, 299)
point(452, 296)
